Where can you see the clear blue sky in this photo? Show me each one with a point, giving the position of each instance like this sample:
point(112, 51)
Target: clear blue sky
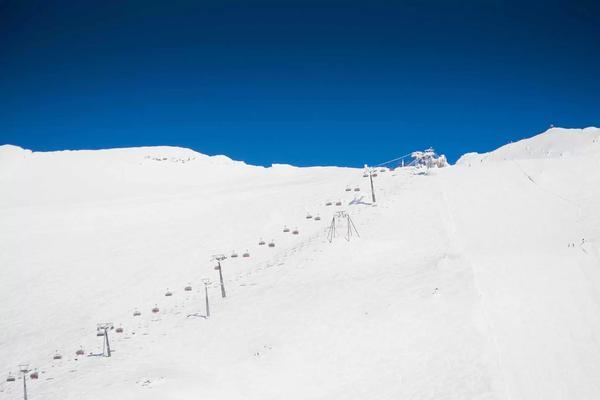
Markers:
point(301, 82)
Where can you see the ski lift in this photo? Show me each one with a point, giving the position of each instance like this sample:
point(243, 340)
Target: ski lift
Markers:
point(317, 218)
point(136, 313)
point(57, 356)
point(155, 309)
point(271, 244)
point(246, 254)
point(119, 329)
point(348, 188)
point(99, 332)
point(308, 216)
point(295, 231)
point(234, 254)
point(261, 242)
point(338, 203)
point(80, 352)
point(328, 203)
point(10, 378)
point(34, 375)
point(188, 288)
point(168, 293)
point(286, 229)
point(357, 189)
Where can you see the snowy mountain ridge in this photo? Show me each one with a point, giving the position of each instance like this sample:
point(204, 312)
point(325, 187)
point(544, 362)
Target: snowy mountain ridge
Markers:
point(476, 281)
point(554, 143)
point(11, 153)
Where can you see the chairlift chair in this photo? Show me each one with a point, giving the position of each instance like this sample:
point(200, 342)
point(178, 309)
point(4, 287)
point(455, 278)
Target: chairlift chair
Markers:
point(357, 189)
point(10, 378)
point(80, 352)
point(155, 309)
point(168, 293)
point(295, 231)
point(119, 329)
point(261, 242)
point(338, 203)
point(34, 375)
point(374, 174)
point(57, 356)
point(246, 254)
point(286, 229)
point(308, 216)
point(348, 188)
point(317, 218)
point(234, 254)
point(188, 288)
point(136, 313)
point(271, 244)
point(99, 332)
point(328, 203)
point(365, 175)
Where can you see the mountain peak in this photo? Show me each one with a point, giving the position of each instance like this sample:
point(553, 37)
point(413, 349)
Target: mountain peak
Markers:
point(553, 143)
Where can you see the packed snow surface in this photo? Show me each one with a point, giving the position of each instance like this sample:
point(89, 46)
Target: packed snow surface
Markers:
point(477, 281)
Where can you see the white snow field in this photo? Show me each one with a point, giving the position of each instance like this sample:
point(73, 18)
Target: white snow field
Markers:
point(476, 281)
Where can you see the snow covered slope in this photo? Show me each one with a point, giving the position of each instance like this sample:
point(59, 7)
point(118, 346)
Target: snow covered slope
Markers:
point(478, 281)
point(554, 143)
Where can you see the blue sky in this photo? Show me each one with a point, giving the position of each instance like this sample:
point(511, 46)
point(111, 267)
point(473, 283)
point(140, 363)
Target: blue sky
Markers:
point(300, 82)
